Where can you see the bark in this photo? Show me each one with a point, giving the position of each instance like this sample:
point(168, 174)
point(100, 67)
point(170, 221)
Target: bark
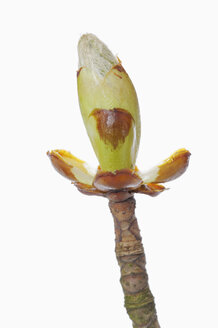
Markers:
point(139, 301)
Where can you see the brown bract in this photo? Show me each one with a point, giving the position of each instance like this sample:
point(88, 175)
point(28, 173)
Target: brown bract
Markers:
point(116, 186)
point(121, 184)
point(115, 196)
point(150, 189)
point(118, 180)
point(113, 125)
point(60, 166)
point(88, 190)
point(173, 166)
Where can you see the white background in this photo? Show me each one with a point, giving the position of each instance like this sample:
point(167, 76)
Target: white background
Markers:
point(58, 267)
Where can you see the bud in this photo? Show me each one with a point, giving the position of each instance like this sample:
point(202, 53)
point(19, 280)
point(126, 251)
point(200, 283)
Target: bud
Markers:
point(108, 104)
point(110, 111)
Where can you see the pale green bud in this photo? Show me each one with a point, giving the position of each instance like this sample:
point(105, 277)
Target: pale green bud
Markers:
point(108, 104)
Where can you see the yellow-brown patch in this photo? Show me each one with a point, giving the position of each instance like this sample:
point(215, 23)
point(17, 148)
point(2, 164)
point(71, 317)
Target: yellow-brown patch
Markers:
point(174, 166)
point(61, 167)
point(113, 125)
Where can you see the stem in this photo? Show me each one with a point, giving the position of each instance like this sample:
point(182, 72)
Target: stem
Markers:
point(139, 301)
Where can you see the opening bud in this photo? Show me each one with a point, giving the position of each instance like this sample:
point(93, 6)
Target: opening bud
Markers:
point(108, 104)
